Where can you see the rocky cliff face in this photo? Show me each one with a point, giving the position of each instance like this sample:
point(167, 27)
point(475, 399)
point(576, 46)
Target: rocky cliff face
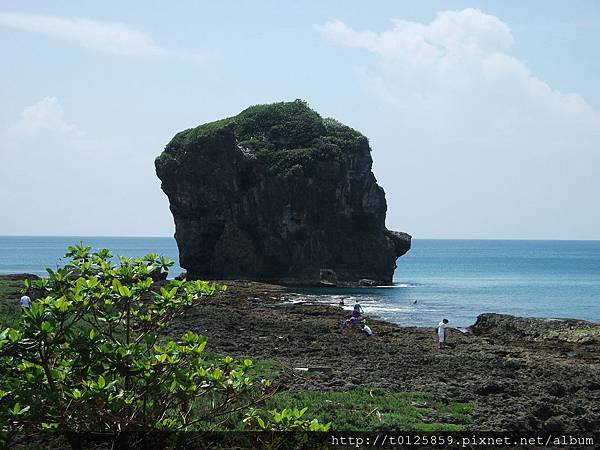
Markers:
point(278, 193)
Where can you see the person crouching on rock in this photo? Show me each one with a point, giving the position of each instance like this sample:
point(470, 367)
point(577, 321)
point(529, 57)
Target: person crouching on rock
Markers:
point(367, 330)
point(352, 322)
point(441, 331)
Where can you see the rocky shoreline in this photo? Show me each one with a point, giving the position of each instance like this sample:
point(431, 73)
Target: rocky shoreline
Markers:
point(523, 375)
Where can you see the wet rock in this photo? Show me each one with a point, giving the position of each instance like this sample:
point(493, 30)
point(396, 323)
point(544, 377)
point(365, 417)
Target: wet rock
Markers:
point(593, 386)
point(557, 390)
point(536, 329)
point(542, 411)
point(490, 389)
point(555, 425)
point(18, 277)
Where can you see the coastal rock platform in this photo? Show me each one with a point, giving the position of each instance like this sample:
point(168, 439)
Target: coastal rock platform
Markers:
point(518, 384)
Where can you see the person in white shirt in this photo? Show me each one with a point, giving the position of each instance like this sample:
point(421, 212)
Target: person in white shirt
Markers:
point(367, 330)
point(441, 330)
point(25, 301)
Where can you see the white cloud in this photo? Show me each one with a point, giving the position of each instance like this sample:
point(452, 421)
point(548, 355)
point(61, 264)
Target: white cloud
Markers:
point(56, 180)
point(108, 37)
point(44, 116)
point(484, 138)
point(460, 61)
point(452, 35)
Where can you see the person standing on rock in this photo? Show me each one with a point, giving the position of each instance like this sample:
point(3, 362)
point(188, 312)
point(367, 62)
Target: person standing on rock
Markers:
point(341, 302)
point(357, 311)
point(441, 331)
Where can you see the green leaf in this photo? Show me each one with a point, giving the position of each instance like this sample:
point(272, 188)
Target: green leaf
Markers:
point(125, 291)
point(47, 327)
point(76, 394)
point(61, 304)
point(101, 382)
point(13, 335)
point(18, 411)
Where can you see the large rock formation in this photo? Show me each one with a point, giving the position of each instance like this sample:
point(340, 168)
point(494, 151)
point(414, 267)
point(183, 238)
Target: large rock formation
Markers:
point(278, 193)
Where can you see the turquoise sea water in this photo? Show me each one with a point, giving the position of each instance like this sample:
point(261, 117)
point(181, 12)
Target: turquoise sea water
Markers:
point(32, 254)
point(456, 279)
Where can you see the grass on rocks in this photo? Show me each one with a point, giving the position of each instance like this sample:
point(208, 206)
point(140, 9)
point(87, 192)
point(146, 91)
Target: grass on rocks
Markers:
point(10, 293)
point(370, 409)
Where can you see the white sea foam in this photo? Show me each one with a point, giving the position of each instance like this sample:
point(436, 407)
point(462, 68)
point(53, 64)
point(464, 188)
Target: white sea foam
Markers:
point(395, 286)
point(384, 309)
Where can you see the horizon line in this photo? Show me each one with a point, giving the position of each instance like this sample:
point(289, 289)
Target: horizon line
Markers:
point(173, 237)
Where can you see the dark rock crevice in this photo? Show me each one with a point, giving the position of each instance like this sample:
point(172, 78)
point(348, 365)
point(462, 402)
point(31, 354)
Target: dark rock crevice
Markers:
point(277, 193)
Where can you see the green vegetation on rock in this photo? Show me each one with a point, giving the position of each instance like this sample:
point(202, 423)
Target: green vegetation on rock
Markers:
point(372, 409)
point(10, 292)
point(282, 135)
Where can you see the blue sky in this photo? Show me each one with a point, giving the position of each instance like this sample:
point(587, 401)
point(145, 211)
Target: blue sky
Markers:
point(483, 116)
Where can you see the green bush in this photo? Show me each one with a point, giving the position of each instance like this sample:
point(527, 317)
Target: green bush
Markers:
point(282, 135)
point(287, 419)
point(89, 356)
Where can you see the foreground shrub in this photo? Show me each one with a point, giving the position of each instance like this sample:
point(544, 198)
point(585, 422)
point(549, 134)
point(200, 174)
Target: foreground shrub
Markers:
point(89, 357)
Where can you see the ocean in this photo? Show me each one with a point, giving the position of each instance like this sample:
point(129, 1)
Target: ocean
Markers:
point(453, 279)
